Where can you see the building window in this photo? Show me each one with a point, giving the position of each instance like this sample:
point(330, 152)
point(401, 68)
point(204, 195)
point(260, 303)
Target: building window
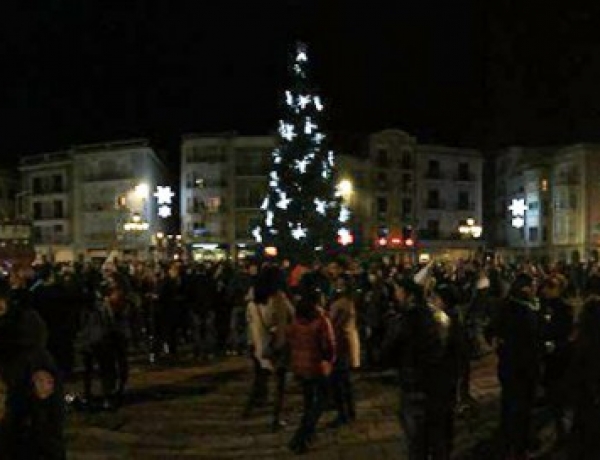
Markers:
point(533, 234)
point(463, 201)
point(463, 172)
point(57, 183)
point(544, 234)
point(433, 170)
point(406, 161)
point(37, 210)
point(58, 209)
point(382, 180)
point(544, 185)
point(572, 201)
point(382, 158)
point(213, 204)
point(433, 199)
point(37, 185)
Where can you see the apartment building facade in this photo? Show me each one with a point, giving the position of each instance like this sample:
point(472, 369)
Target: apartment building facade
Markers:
point(80, 199)
point(546, 203)
point(223, 182)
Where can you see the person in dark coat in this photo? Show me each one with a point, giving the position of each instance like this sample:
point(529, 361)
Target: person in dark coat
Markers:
point(32, 425)
point(516, 332)
point(584, 384)
point(557, 329)
point(413, 344)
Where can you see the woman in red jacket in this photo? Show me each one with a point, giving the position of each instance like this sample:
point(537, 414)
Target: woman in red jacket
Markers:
point(312, 345)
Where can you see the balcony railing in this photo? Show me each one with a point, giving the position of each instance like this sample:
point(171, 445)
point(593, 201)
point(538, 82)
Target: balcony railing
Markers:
point(50, 216)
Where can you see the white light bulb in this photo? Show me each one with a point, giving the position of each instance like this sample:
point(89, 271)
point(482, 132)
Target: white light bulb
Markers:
point(164, 211)
point(265, 204)
point(269, 219)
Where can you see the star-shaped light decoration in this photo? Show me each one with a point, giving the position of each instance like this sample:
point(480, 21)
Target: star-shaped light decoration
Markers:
point(299, 232)
point(309, 126)
point(286, 130)
point(163, 195)
point(318, 103)
point(319, 137)
point(164, 211)
point(320, 205)
point(518, 207)
point(301, 165)
point(303, 101)
point(284, 201)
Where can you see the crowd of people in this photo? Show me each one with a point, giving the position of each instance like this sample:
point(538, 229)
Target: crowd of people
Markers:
point(319, 322)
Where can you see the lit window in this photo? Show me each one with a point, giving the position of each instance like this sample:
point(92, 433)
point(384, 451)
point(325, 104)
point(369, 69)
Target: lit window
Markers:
point(544, 185)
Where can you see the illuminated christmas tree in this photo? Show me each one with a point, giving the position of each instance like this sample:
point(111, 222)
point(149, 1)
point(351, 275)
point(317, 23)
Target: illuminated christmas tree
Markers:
point(302, 213)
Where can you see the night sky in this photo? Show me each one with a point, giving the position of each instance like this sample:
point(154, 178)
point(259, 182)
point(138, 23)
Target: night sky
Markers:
point(458, 73)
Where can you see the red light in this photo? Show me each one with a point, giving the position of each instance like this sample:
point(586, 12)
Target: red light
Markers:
point(396, 241)
point(410, 242)
point(382, 241)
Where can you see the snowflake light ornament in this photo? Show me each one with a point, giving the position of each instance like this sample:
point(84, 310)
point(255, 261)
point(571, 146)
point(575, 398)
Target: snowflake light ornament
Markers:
point(265, 204)
point(164, 195)
point(303, 101)
point(289, 99)
point(284, 201)
point(309, 126)
point(301, 165)
point(321, 205)
point(299, 232)
point(286, 130)
point(269, 219)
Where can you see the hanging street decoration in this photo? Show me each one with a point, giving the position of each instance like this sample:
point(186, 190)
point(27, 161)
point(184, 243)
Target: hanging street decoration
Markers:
point(164, 198)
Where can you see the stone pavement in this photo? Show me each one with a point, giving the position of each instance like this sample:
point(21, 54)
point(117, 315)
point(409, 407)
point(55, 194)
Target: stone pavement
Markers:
point(192, 411)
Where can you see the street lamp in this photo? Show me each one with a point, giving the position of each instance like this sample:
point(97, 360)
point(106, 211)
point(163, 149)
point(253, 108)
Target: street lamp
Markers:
point(141, 190)
point(345, 188)
point(470, 229)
